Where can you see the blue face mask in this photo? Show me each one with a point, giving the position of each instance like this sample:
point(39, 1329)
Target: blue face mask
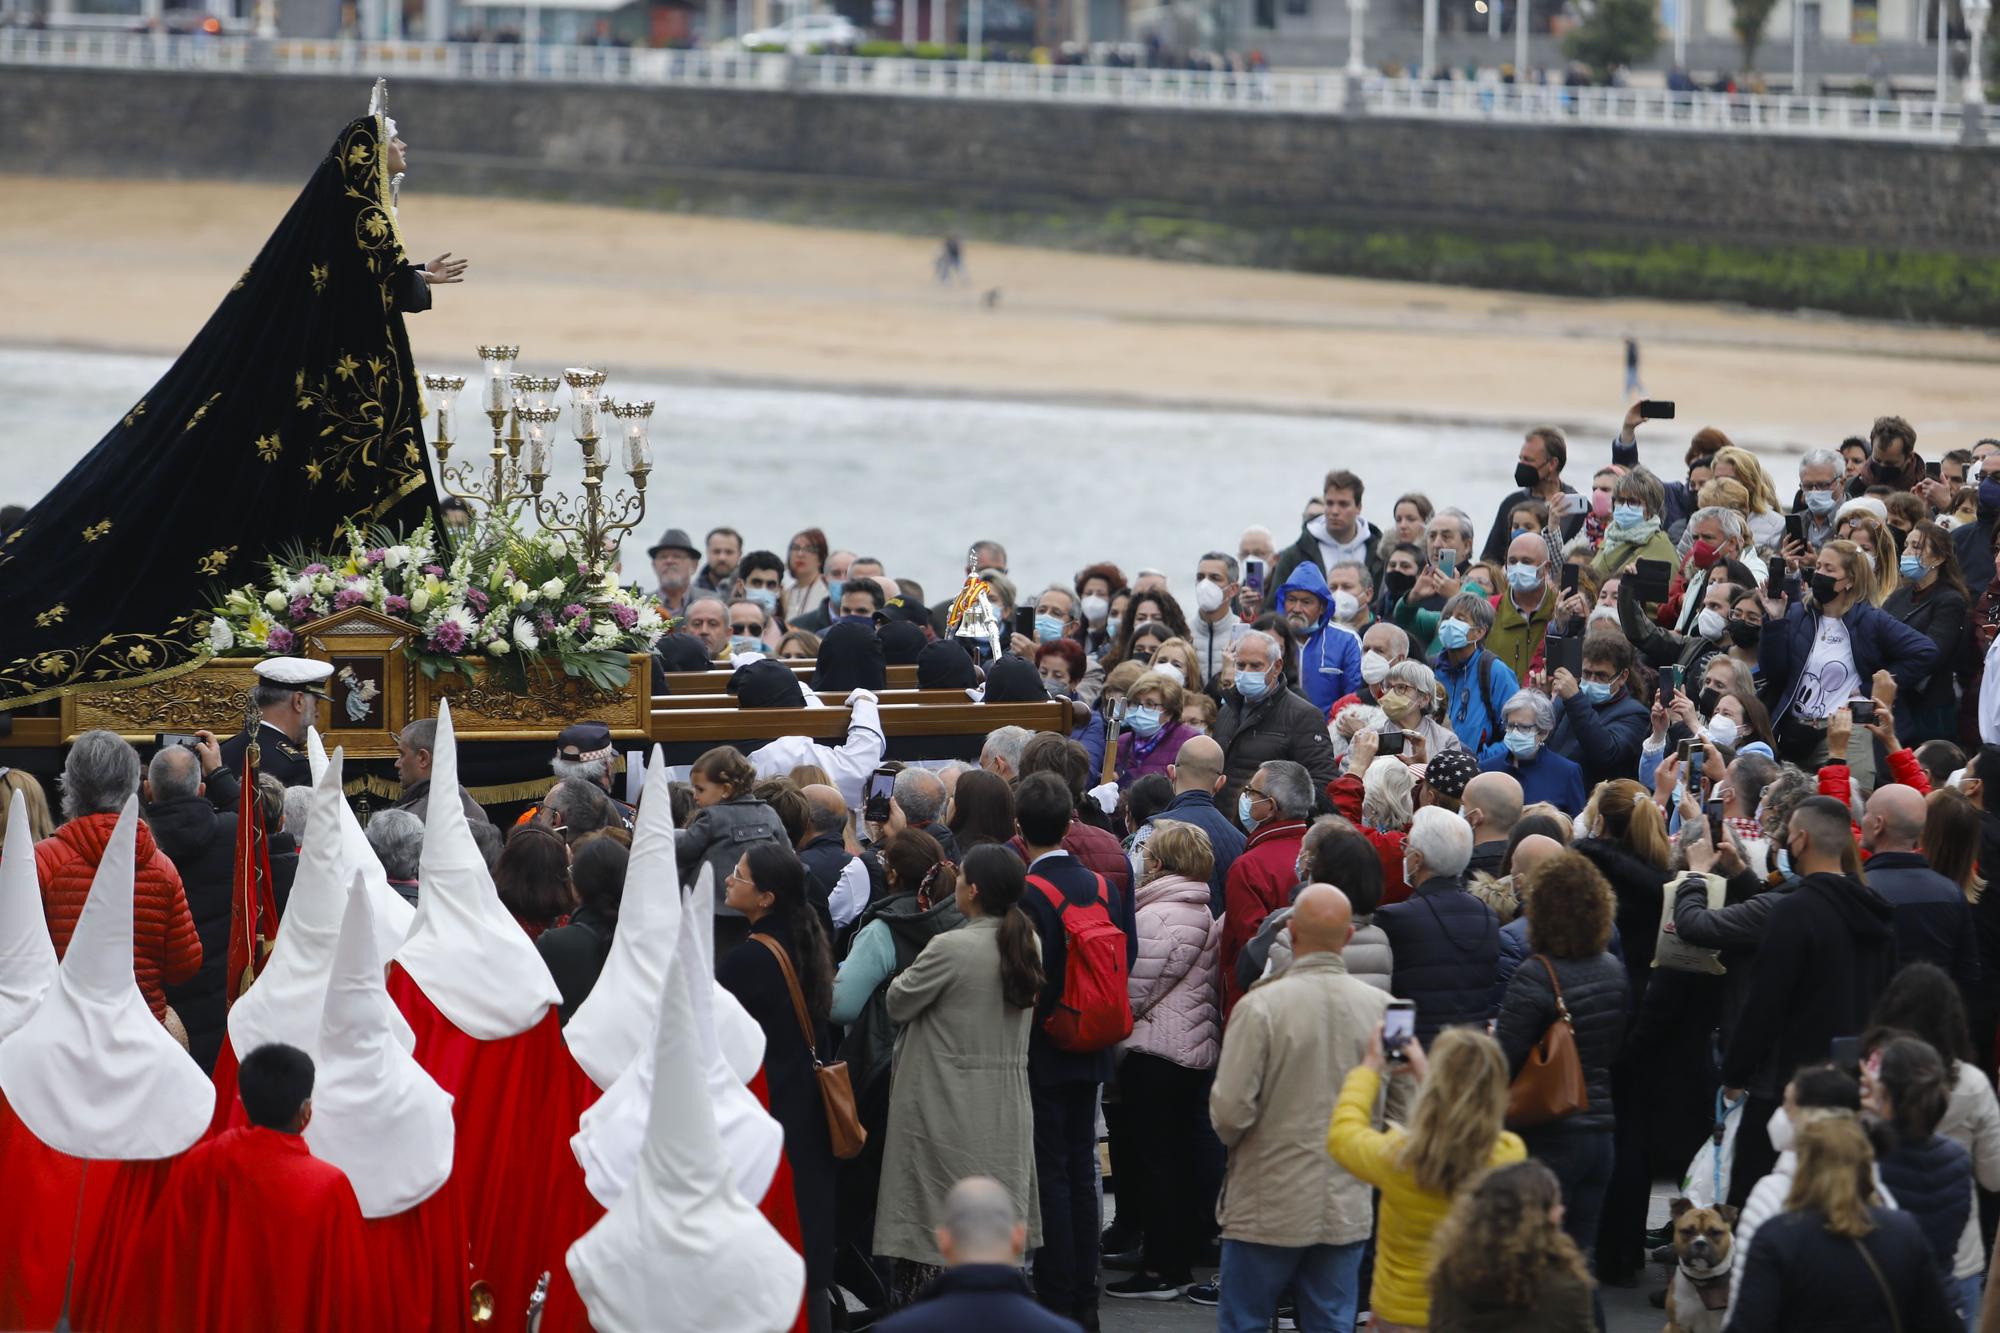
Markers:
point(1626, 516)
point(764, 597)
point(1821, 502)
point(1048, 628)
point(1243, 815)
point(1594, 691)
point(1252, 684)
point(1522, 744)
point(1912, 567)
point(1989, 495)
point(1144, 722)
point(1784, 861)
point(854, 620)
point(1517, 532)
point(833, 589)
point(1522, 578)
point(745, 643)
point(1454, 634)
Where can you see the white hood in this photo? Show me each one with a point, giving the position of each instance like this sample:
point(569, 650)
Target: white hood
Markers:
point(393, 912)
point(27, 957)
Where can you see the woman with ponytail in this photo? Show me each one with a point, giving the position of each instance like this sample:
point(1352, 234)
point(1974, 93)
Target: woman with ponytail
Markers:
point(958, 1102)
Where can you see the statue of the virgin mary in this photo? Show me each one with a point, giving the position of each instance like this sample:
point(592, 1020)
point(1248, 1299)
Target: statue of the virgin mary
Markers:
point(295, 408)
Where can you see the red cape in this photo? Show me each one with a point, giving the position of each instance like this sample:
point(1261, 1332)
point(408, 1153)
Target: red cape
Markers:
point(420, 1256)
point(41, 1213)
point(515, 1104)
point(781, 1202)
point(253, 1233)
point(229, 1113)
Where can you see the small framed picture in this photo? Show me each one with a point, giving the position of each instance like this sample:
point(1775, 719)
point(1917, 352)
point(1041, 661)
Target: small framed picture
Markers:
point(358, 691)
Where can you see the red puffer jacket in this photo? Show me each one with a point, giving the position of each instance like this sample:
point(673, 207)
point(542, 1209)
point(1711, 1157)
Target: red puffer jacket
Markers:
point(165, 949)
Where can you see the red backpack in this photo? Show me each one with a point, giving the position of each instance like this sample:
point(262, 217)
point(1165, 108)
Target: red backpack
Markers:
point(1094, 1010)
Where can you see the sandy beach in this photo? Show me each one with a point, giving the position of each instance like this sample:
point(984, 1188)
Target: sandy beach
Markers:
point(137, 266)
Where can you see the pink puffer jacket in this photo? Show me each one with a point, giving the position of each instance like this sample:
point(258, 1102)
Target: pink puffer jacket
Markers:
point(1175, 1008)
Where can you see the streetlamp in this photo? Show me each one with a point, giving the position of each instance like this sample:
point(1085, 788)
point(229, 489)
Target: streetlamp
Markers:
point(1357, 69)
point(1521, 46)
point(1798, 48)
point(1972, 93)
point(1430, 39)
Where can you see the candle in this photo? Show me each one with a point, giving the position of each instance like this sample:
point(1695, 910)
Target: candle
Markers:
point(636, 454)
point(499, 388)
point(586, 417)
point(444, 424)
point(538, 450)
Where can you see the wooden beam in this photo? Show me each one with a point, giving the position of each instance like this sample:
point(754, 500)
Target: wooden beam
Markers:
point(831, 698)
point(724, 726)
point(716, 680)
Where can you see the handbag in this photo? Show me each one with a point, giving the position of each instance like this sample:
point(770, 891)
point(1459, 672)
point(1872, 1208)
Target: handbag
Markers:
point(1550, 1085)
point(836, 1092)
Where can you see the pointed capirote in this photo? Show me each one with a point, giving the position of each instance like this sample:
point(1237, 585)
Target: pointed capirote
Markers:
point(92, 1073)
point(377, 1115)
point(27, 957)
point(392, 912)
point(465, 950)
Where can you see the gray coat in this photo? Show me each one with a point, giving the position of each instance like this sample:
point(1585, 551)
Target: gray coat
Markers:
point(958, 1096)
point(1368, 956)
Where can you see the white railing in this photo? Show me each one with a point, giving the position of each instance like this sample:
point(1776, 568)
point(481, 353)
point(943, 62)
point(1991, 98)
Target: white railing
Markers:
point(1308, 92)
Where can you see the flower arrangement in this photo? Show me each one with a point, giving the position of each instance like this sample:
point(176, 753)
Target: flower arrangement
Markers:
point(516, 600)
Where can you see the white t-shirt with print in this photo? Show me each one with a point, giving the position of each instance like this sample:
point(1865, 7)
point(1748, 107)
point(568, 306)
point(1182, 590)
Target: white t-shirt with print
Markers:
point(1831, 678)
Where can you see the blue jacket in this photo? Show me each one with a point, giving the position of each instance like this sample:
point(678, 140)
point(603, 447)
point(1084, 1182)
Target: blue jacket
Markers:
point(1547, 777)
point(1330, 660)
point(1091, 736)
point(1225, 839)
point(1445, 944)
point(1475, 692)
point(977, 1298)
point(1932, 920)
point(1514, 951)
point(1605, 738)
point(1876, 639)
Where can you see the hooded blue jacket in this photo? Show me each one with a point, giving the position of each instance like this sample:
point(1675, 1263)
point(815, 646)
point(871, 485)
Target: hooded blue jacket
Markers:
point(1329, 660)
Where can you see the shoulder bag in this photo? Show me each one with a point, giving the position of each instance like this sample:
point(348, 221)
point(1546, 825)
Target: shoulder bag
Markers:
point(1550, 1085)
point(843, 1123)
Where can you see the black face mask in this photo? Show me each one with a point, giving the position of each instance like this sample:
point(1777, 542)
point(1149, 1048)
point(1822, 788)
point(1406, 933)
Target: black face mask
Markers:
point(1526, 476)
point(1745, 633)
point(1707, 700)
point(1822, 588)
point(1398, 584)
point(1885, 471)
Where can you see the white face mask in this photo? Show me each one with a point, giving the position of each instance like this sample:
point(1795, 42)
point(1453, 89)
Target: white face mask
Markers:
point(1603, 615)
point(1722, 730)
point(1208, 596)
point(1779, 1129)
point(1374, 667)
point(1095, 609)
point(1710, 624)
point(1345, 606)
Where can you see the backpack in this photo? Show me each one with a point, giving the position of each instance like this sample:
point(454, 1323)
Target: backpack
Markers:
point(1094, 1010)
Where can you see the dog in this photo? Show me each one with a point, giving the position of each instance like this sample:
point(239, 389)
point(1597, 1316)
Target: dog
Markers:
point(1698, 1294)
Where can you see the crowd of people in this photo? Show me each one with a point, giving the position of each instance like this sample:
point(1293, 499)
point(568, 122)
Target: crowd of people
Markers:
point(1395, 912)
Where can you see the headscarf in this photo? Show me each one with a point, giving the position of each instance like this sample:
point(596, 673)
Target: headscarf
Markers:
point(765, 684)
point(946, 666)
point(902, 642)
point(850, 658)
point(679, 652)
point(1014, 680)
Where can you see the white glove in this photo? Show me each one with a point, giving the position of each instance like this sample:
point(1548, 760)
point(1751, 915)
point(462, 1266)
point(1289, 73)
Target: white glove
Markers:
point(1106, 796)
point(858, 695)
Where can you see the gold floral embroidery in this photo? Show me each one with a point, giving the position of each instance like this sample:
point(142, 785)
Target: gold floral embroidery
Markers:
point(346, 366)
point(217, 560)
point(268, 447)
point(140, 655)
point(96, 530)
point(313, 472)
point(48, 664)
point(358, 155)
point(53, 616)
point(137, 412)
point(317, 272)
point(201, 412)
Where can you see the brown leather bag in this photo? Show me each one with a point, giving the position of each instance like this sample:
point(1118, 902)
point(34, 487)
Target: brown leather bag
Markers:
point(1550, 1085)
point(843, 1123)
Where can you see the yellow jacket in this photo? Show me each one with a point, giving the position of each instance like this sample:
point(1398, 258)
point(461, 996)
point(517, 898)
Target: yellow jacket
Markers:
point(1409, 1215)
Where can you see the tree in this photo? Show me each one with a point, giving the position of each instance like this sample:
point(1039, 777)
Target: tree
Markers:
point(1613, 34)
point(1749, 20)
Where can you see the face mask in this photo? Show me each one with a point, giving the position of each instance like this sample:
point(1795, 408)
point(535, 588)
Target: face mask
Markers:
point(1989, 494)
point(1111, 627)
point(1374, 667)
point(1600, 503)
point(1243, 815)
point(1627, 516)
point(1779, 1130)
point(1822, 588)
point(1869, 556)
point(1346, 606)
point(1722, 730)
point(1144, 722)
point(1522, 744)
point(1398, 584)
point(1744, 633)
point(745, 643)
point(1526, 476)
point(1095, 608)
point(833, 590)
point(764, 597)
point(1057, 689)
point(1594, 691)
point(1821, 502)
point(1707, 700)
point(854, 620)
point(1399, 705)
point(1515, 535)
point(1702, 554)
point(1710, 624)
point(1885, 471)
point(1603, 615)
point(1208, 596)
point(1784, 861)
point(1251, 685)
point(1454, 634)
point(1522, 576)
point(1048, 628)
point(1912, 567)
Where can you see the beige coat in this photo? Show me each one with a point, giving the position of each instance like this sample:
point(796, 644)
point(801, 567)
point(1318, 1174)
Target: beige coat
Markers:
point(1285, 1053)
point(958, 1096)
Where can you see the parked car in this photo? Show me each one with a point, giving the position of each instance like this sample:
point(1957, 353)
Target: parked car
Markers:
point(803, 34)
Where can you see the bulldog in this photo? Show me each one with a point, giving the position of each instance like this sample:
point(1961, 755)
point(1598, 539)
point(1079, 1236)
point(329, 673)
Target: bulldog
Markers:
point(1698, 1294)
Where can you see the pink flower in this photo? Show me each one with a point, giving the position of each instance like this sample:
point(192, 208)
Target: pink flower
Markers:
point(396, 605)
point(624, 615)
point(375, 555)
point(572, 611)
point(435, 571)
point(545, 622)
point(477, 600)
point(448, 637)
point(315, 569)
point(281, 641)
point(347, 597)
point(301, 608)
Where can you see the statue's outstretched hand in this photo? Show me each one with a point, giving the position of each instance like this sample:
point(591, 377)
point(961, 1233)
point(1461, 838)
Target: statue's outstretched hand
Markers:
point(444, 269)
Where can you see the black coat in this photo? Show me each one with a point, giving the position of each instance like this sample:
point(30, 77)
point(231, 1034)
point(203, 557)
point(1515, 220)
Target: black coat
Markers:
point(1445, 944)
point(1596, 993)
point(1940, 616)
point(1802, 1276)
point(201, 842)
point(1933, 921)
point(1048, 1064)
point(977, 1298)
point(1639, 887)
point(284, 868)
point(1283, 724)
point(1932, 1182)
point(1736, 928)
point(1826, 956)
point(575, 954)
point(754, 977)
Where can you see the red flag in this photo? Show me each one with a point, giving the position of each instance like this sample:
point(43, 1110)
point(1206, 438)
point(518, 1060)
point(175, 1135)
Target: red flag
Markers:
point(253, 909)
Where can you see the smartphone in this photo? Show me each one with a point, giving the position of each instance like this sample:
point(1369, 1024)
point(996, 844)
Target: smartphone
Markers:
point(1566, 654)
point(1391, 743)
point(1656, 409)
point(875, 808)
point(1399, 1027)
point(1714, 825)
point(1795, 528)
point(1024, 622)
point(1253, 576)
point(1774, 582)
point(1845, 1053)
point(1447, 561)
point(1684, 750)
point(165, 738)
point(1674, 678)
point(1653, 579)
point(1931, 471)
point(1862, 710)
point(1569, 576)
point(1573, 504)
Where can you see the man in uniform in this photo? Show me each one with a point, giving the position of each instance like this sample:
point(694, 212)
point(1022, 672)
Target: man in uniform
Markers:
point(286, 698)
point(584, 751)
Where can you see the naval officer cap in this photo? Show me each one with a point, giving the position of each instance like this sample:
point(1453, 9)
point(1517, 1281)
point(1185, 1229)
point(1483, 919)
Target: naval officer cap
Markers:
point(296, 673)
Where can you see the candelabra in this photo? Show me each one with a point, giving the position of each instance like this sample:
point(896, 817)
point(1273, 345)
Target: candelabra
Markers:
point(590, 517)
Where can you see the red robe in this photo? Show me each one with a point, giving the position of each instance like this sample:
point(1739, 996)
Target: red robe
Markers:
point(515, 1104)
point(780, 1206)
point(420, 1256)
point(41, 1213)
point(254, 1233)
point(229, 1113)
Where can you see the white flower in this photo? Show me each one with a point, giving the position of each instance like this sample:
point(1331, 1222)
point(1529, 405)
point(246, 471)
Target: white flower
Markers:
point(524, 635)
point(221, 638)
point(555, 545)
point(323, 584)
point(396, 557)
point(519, 591)
point(552, 589)
point(301, 586)
point(648, 621)
point(496, 647)
point(419, 600)
point(275, 600)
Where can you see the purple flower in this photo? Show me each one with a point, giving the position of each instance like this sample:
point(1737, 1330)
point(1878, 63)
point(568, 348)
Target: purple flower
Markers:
point(281, 640)
point(477, 600)
point(396, 605)
point(315, 569)
point(572, 611)
point(435, 571)
point(301, 608)
point(624, 615)
point(375, 555)
point(347, 597)
point(448, 637)
point(545, 622)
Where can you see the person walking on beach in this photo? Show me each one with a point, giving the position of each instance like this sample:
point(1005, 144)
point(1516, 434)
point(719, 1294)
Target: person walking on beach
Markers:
point(951, 261)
